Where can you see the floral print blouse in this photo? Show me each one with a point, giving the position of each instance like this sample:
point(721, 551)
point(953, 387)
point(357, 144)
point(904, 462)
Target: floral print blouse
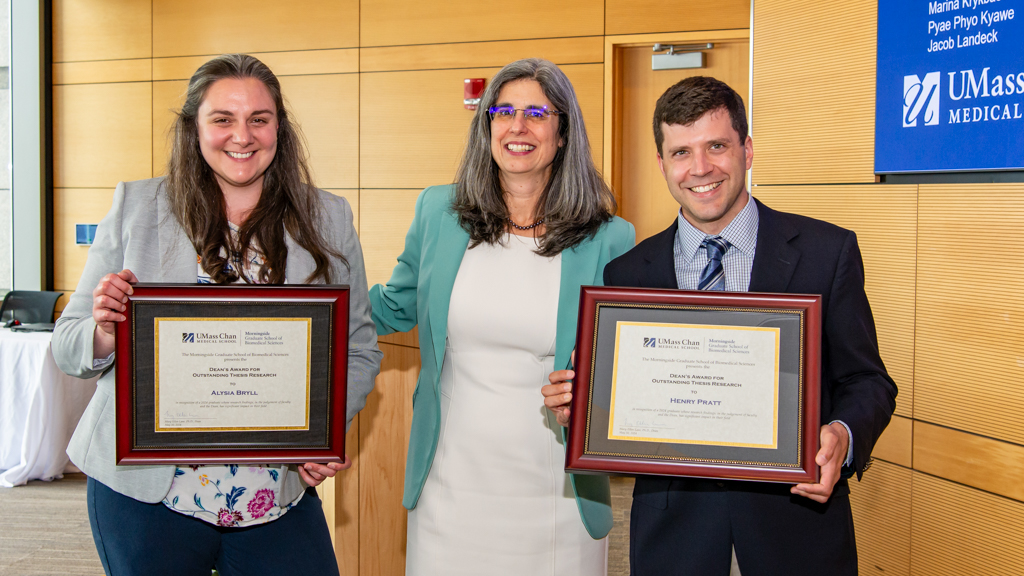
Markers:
point(229, 495)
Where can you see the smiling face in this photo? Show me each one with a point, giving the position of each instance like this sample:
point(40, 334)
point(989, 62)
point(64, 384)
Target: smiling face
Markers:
point(705, 166)
point(237, 123)
point(523, 147)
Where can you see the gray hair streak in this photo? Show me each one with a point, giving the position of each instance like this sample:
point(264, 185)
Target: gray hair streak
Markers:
point(576, 200)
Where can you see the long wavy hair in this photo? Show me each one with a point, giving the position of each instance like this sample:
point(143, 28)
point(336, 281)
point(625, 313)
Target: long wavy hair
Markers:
point(576, 200)
point(288, 203)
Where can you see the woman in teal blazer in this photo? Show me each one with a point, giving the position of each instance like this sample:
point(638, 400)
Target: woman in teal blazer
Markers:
point(528, 160)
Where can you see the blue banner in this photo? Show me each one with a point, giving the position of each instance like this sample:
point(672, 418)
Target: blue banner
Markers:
point(950, 86)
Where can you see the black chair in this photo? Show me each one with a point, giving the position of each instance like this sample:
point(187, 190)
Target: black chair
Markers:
point(28, 306)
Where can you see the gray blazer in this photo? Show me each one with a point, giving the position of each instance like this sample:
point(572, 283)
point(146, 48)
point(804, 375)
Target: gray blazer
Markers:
point(140, 233)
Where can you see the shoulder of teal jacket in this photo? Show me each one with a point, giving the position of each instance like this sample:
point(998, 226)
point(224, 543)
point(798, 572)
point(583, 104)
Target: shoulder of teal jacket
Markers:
point(616, 237)
point(435, 200)
point(620, 233)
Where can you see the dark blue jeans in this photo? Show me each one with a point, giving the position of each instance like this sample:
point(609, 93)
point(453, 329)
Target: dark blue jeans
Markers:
point(133, 537)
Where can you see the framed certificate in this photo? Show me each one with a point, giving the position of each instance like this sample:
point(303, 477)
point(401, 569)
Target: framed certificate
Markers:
point(210, 374)
point(705, 384)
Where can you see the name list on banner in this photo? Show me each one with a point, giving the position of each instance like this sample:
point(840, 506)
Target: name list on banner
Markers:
point(950, 86)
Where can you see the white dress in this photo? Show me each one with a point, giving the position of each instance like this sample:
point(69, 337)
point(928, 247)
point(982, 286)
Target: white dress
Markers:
point(497, 500)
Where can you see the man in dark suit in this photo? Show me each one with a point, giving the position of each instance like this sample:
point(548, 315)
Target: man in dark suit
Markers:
point(724, 239)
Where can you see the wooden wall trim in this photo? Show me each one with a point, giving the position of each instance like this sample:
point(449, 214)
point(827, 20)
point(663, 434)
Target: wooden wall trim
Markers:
point(103, 71)
point(896, 444)
point(640, 16)
point(408, 339)
point(578, 50)
point(984, 463)
point(293, 63)
point(412, 22)
point(959, 531)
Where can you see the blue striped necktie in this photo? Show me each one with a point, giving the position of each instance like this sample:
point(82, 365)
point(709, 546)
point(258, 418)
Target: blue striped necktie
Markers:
point(713, 276)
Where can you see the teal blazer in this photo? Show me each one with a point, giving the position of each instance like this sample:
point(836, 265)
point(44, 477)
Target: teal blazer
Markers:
point(419, 293)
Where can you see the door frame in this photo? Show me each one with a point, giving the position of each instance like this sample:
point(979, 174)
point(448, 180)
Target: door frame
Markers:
point(612, 153)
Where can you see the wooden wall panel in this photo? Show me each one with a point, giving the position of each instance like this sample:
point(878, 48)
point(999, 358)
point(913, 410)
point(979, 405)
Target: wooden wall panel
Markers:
point(405, 146)
point(481, 54)
point(410, 338)
point(976, 461)
point(404, 22)
point(168, 98)
point(958, 531)
point(101, 30)
point(881, 517)
point(883, 217)
point(340, 497)
point(326, 107)
point(814, 91)
point(643, 16)
point(102, 134)
point(970, 310)
point(896, 444)
point(137, 70)
point(385, 216)
point(588, 81)
point(340, 61)
point(195, 27)
point(384, 437)
point(74, 206)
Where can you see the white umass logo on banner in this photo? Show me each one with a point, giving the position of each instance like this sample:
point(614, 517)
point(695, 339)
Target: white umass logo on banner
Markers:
point(921, 96)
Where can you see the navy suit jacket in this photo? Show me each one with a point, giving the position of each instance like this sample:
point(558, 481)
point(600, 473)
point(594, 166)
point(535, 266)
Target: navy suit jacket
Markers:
point(801, 255)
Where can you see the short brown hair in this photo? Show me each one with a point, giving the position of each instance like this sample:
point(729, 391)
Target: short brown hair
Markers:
point(690, 98)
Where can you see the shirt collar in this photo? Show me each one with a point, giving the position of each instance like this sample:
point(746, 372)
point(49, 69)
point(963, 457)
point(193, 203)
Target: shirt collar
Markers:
point(741, 233)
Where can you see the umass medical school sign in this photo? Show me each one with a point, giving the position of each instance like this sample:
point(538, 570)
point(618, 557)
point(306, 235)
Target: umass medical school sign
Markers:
point(950, 86)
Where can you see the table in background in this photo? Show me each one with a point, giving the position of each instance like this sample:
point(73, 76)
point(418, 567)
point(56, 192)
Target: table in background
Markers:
point(39, 408)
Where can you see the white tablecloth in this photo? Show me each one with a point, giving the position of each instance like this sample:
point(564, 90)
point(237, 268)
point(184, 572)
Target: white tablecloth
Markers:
point(39, 408)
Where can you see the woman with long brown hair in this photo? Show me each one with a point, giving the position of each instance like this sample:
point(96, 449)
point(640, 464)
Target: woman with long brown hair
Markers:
point(238, 206)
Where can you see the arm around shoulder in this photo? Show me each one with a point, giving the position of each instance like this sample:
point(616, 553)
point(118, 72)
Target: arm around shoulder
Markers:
point(395, 303)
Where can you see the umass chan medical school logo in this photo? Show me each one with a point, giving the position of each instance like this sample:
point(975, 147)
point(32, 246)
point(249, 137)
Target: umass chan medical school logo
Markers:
point(188, 337)
point(650, 342)
point(921, 99)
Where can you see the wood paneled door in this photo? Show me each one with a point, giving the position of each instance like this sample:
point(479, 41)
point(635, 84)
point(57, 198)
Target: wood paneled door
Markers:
point(631, 90)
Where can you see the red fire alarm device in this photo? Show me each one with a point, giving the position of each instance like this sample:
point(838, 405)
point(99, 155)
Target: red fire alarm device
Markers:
point(472, 90)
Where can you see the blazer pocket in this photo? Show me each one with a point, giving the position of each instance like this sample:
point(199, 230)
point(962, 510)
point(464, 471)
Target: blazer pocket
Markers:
point(652, 491)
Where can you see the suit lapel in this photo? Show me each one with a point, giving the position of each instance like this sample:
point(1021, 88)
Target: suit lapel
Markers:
point(177, 256)
point(774, 259)
point(450, 247)
point(578, 266)
point(659, 262)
